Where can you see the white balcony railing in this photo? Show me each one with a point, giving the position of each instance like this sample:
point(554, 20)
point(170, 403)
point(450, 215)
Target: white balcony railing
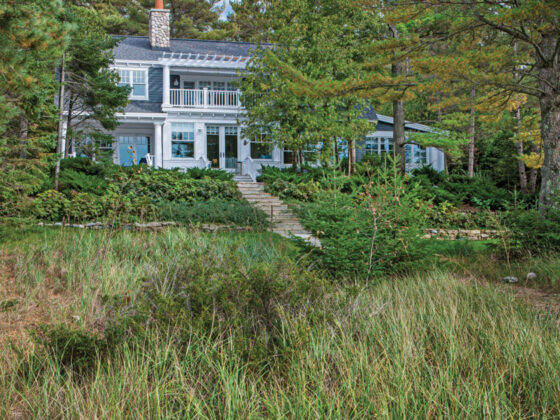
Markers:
point(204, 98)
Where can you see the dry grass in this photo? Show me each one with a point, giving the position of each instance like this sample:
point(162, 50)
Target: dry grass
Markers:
point(425, 346)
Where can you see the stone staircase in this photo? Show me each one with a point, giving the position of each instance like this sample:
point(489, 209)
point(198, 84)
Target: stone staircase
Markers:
point(284, 222)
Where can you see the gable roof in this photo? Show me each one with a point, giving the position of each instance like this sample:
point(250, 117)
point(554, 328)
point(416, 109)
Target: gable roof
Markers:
point(138, 48)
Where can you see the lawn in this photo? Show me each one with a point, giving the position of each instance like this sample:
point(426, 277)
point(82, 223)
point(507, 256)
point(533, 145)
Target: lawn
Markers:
point(431, 344)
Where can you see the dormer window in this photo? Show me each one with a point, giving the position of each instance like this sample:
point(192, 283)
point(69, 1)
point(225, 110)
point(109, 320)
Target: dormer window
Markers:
point(137, 79)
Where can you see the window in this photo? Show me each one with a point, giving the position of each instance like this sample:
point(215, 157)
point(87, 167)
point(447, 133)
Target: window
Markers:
point(182, 140)
point(288, 157)
point(137, 80)
point(372, 145)
point(415, 155)
point(261, 147)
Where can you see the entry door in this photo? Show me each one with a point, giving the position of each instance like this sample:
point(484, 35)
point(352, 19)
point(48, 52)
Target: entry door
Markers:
point(133, 149)
point(213, 149)
point(222, 146)
point(230, 143)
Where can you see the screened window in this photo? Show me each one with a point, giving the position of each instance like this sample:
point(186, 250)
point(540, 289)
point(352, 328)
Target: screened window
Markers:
point(182, 140)
point(137, 80)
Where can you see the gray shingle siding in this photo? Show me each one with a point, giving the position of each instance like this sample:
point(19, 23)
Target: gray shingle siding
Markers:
point(382, 126)
point(155, 75)
point(143, 106)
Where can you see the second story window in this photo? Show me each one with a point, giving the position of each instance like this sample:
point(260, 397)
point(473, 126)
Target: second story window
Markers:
point(137, 80)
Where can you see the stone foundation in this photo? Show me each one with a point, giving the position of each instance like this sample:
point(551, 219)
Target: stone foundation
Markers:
point(454, 234)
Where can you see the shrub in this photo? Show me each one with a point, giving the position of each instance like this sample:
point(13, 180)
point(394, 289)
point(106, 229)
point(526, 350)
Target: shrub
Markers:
point(50, 205)
point(197, 173)
point(216, 292)
point(375, 232)
point(237, 212)
point(534, 233)
point(174, 185)
point(72, 348)
point(84, 207)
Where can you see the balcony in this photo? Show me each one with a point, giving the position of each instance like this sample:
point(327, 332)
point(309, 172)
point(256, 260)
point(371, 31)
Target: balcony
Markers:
point(204, 98)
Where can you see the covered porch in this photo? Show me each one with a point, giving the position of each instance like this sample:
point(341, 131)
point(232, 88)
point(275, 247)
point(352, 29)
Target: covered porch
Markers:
point(170, 144)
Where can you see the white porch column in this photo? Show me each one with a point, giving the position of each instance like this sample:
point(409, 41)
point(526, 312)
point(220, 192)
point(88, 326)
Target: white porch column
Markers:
point(166, 143)
point(166, 84)
point(199, 141)
point(158, 149)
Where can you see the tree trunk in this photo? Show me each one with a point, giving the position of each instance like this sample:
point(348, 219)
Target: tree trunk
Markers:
point(472, 134)
point(69, 128)
point(519, 150)
point(533, 173)
point(550, 172)
point(549, 100)
point(23, 136)
point(350, 148)
point(398, 134)
point(59, 144)
point(336, 157)
point(398, 68)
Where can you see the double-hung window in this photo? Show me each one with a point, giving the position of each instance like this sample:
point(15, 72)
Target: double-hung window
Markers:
point(182, 140)
point(137, 80)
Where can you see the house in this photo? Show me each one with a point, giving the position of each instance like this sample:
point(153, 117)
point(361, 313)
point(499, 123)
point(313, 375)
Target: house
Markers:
point(185, 108)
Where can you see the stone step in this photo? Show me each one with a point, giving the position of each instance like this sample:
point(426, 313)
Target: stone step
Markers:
point(265, 200)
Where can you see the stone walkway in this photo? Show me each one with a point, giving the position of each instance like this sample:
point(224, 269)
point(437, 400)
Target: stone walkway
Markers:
point(284, 221)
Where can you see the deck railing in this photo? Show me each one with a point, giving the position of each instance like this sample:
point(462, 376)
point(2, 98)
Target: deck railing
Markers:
point(204, 98)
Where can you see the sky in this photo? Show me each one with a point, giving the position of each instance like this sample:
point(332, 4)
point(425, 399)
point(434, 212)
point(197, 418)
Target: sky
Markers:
point(227, 9)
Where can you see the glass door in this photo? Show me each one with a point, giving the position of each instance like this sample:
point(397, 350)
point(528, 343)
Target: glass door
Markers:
point(213, 146)
point(133, 149)
point(230, 147)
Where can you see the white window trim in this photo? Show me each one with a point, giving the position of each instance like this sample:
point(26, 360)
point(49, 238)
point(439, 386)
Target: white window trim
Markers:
point(193, 141)
point(131, 82)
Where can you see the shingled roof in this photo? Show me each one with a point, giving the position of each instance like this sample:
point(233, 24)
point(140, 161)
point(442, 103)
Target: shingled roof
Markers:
point(138, 48)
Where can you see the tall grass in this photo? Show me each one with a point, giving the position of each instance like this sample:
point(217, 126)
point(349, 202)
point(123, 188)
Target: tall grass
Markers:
point(429, 346)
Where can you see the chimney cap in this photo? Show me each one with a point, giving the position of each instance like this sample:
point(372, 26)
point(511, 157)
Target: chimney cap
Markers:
point(159, 4)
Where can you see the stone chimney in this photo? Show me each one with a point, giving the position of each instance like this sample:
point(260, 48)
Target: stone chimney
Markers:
point(159, 26)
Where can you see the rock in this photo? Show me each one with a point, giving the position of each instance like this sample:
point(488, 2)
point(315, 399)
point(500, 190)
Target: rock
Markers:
point(511, 279)
point(531, 276)
point(58, 224)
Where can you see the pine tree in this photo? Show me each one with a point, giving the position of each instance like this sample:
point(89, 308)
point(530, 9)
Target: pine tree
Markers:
point(92, 95)
point(250, 21)
point(319, 42)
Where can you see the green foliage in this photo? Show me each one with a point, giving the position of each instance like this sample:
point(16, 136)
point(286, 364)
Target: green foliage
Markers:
point(50, 205)
point(72, 348)
point(369, 233)
point(174, 185)
point(533, 233)
point(458, 189)
point(218, 211)
point(264, 346)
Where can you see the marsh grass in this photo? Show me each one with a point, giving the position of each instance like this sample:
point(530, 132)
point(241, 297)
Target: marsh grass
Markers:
point(424, 346)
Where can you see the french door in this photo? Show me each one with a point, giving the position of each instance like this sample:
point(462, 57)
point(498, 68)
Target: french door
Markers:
point(222, 146)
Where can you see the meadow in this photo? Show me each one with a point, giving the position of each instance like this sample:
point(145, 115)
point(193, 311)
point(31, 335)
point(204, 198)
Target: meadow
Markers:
point(185, 324)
